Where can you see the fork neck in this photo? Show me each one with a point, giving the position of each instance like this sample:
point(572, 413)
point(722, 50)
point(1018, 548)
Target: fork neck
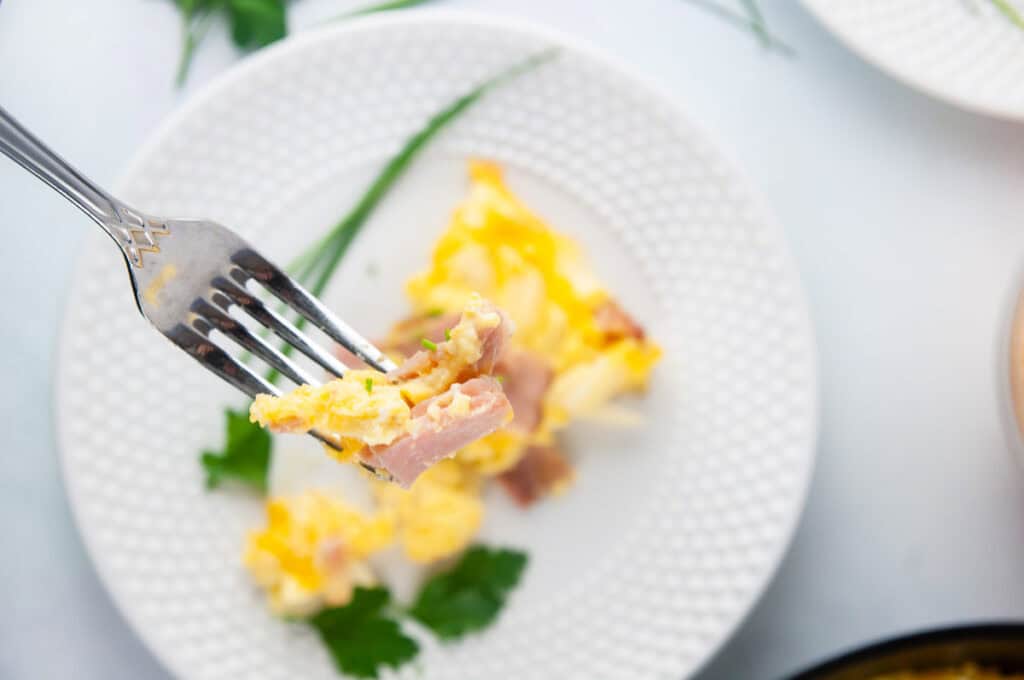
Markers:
point(21, 146)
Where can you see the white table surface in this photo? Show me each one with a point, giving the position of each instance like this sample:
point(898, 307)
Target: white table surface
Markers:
point(906, 217)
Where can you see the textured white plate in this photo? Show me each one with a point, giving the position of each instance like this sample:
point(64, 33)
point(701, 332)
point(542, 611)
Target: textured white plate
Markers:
point(962, 51)
point(672, 531)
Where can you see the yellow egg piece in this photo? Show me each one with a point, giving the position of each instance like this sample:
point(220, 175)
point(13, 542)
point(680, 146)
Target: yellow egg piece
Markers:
point(312, 551)
point(439, 515)
point(363, 405)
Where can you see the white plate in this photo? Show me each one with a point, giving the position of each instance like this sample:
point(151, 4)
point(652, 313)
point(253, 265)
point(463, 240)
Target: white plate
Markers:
point(963, 51)
point(672, 530)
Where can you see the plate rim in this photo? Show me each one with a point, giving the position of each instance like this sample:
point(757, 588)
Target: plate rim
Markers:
point(905, 78)
point(803, 469)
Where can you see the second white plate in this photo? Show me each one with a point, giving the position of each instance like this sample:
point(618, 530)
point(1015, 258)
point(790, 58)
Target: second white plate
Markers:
point(962, 51)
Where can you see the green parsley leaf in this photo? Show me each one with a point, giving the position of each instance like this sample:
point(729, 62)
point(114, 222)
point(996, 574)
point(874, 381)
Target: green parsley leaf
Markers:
point(254, 23)
point(361, 637)
point(469, 596)
point(193, 6)
point(257, 23)
point(246, 454)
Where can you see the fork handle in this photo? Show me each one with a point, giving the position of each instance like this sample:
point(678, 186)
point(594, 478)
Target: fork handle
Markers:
point(26, 150)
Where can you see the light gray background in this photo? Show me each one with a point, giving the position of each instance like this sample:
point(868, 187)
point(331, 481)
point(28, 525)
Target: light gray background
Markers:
point(906, 217)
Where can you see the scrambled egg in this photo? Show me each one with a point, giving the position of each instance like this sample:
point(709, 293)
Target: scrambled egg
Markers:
point(494, 453)
point(496, 246)
point(584, 388)
point(439, 515)
point(314, 547)
point(363, 406)
point(366, 407)
point(312, 552)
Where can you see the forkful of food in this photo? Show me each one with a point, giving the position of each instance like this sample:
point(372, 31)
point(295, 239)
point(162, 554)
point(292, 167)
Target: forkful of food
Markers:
point(197, 281)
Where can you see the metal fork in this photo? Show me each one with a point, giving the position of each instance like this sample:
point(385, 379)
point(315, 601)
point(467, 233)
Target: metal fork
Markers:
point(188, 275)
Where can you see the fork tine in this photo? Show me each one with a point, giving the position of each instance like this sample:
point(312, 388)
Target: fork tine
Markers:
point(203, 350)
point(296, 297)
point(281, 327)
point(247, 339)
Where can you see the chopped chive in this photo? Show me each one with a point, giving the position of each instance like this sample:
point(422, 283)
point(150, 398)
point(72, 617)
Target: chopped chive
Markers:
point(500, 378)
point(369, 385)
point(749, 21)
point(447, 333)
point(1011, 13)
point(384, 7)
point(428, 344)
point(435, 312)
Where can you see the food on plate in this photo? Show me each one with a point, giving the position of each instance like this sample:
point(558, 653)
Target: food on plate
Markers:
point(442, 425)
point(438, 401)
point(966, 672)
point(439, 515)
point(471, 403)
point(575, 348)
point(312, 552)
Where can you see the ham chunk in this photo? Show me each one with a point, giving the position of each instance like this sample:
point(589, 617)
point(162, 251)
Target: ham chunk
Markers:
point(525, 377)
point(542, 470)
point(615, 323)
point(471, 348)
point(441, 426)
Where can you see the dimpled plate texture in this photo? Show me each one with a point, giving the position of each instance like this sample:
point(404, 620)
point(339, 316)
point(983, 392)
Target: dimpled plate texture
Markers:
point(963, 51)
point(647, 565)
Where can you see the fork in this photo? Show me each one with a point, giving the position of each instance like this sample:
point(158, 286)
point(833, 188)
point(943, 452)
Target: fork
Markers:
point(188, 275)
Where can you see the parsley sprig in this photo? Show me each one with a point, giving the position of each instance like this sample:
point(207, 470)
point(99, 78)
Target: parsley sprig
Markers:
point(253, 23)
point(362, 637)
point(315, 267)
point(365, 635)
point(245, 457)
point(468, 597)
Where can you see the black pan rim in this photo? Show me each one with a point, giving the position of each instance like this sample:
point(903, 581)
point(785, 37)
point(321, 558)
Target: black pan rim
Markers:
point(994, 630)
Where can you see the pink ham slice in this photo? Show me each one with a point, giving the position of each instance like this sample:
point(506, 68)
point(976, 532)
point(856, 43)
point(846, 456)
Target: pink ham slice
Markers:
point(538, 472)
point(433, 439)
point(525, 378)
point(615, 323)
